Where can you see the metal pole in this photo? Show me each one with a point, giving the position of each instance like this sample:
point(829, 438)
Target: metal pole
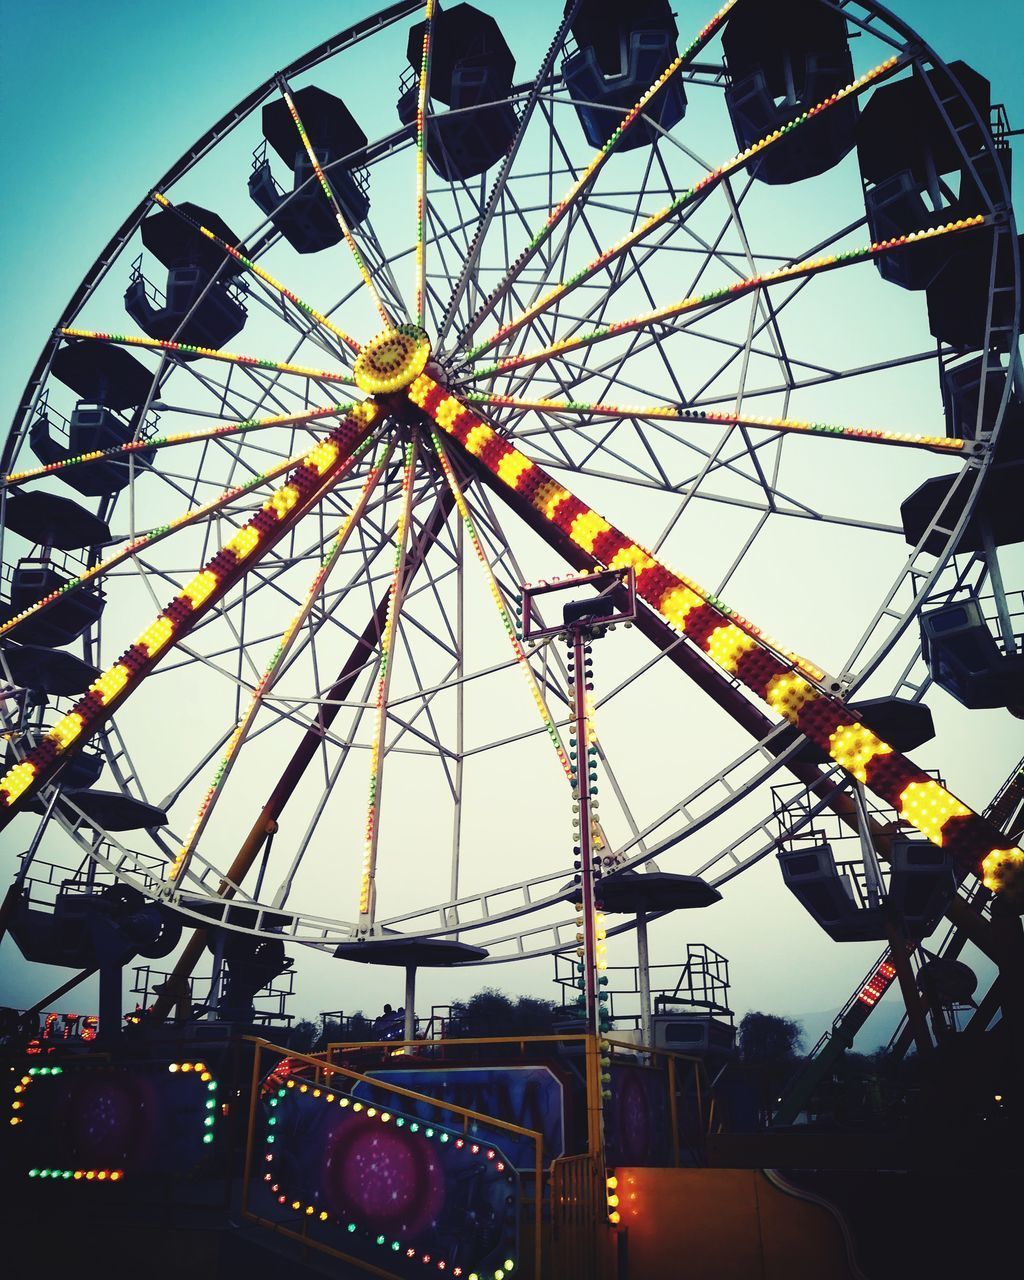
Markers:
point(213, 1012)
point(673, 1107)
point(250, 1128)
point(410, 1002)
point(584, 849)
point(643, 964)
point(908, 988)
point(460, 722)
point(31, 851)
point(588, 917)
point(998, 589)
point(872, 871)
point(111, 997)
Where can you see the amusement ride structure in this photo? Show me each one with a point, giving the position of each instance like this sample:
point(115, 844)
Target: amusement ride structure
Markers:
point(286, 553)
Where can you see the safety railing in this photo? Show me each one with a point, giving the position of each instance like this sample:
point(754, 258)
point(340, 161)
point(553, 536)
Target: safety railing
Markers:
point(687, 1087)
point(342, 1079)
point(580, 1237)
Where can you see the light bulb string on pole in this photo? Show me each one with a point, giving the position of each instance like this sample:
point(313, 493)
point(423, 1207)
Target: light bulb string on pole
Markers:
point(586, 617)
point(590, 954)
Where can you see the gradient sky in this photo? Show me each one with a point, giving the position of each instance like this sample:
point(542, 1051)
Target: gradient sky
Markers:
point(97, 100)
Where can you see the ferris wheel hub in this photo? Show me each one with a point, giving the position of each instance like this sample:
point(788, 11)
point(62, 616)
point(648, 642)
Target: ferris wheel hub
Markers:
point(392, 360)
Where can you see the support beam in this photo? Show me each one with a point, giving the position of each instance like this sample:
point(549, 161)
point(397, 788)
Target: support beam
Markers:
point(643, 966)
point(410, 1003)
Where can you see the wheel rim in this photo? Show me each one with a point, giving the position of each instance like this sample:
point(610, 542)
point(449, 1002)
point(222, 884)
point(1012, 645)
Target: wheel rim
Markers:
point(591, 457)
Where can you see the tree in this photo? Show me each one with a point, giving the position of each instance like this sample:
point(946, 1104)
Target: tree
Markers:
point(768, 1045)
point(356, 1028)
point(767, 1039)
point(492, 1013)
point(302, 1036)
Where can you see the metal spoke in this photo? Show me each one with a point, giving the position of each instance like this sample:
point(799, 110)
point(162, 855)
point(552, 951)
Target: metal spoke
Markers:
point(16, 478)
point(674, 413)
point(325, 186)
point(808, 267)
point(305, 487)
point(583, 183)
point(259, 272)
point(422, 93)
point(139, 543)
point(226, 357)
point(788, 685)
point(701, 189)
point(368, 888)
point(266, 681)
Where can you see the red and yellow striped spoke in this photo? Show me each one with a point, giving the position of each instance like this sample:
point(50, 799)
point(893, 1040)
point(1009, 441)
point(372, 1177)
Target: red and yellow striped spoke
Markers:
point(154, 536)
point(285, 506)
point(367, 887)
point(795, 271)
point(346, 231)
point(269, 676)
point(583, 526)
point(210, 353)
point(499, 602)
point(735, 645)
point(583, 182)
point(707, 183)
point(293, 298)
point(714, 418)
point(421, 162)
point(15, 478)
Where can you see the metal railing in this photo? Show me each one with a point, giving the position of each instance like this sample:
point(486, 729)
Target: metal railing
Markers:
point(700, 982)
point(580, 1237)
point(345, 1076)
point(680, 1070)
point(270, 1000)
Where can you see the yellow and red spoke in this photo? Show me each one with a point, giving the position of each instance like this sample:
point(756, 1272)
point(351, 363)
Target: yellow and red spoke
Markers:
point(585, 527)
point(269, 676)
point(794, 271)
point(701, 417)
point(367, 888)
point(556, 214)
point(735, 645)
point(318, 467)
point(707, 183)
point(421, 161)
point(15, 478)
point(325, 186)
point(502, 607)
point(210, 353)
point(293, 298)
point(140, 543)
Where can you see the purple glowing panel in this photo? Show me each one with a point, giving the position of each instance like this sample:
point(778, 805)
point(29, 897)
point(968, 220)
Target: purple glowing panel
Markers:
point(387, 1177)
point(137, 1118)
point(637, 1121)
point(386, 1187)
point(108, 1121)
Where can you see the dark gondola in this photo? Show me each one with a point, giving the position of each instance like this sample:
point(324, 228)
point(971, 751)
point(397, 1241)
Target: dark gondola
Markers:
point(303, 215)
point(621, 51)
point(783, 59)
point(471, 67)
point(113, 387)
point(202, 303)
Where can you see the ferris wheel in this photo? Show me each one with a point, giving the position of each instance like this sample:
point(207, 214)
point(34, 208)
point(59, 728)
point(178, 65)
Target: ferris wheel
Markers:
point(734, 306)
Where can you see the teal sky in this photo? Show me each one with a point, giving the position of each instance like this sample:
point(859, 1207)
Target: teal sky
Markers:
point(98, 99)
